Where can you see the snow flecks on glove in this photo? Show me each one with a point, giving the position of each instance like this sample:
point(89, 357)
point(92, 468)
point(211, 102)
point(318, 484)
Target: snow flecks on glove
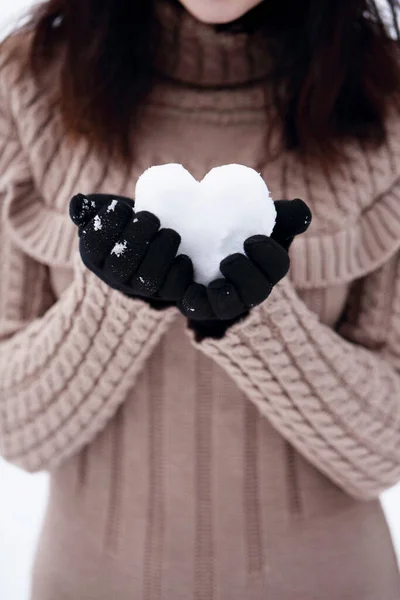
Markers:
point(119, 248)
point(97, 224)
point(112, 206)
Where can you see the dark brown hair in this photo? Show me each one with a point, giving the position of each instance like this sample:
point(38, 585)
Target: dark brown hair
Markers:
point(336, 65)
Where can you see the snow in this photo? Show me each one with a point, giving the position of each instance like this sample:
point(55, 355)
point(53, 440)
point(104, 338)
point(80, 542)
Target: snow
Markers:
point(213, 216)
point(119, 248)
point(97, 223)
point(112, 206)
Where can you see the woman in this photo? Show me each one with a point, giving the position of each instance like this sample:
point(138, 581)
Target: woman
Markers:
point(242, 456)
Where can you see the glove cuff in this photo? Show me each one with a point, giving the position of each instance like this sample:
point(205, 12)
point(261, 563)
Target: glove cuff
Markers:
point(212, 329)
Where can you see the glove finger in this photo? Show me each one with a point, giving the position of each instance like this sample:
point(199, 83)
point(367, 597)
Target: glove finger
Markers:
point(195, 304)
point(293, 218)
point(107, 199)
point(156, 263)
point(178, 279)
point(224, 299)
point(252, 286)
point(269, 256)
point(83, 208)
point(101, 233)
point(127, 254)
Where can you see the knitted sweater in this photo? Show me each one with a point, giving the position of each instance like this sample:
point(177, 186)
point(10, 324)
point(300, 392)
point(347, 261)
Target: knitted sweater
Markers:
point(233, 469)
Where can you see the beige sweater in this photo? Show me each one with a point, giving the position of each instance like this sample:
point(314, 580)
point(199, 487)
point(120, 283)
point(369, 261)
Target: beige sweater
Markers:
point(245, 468)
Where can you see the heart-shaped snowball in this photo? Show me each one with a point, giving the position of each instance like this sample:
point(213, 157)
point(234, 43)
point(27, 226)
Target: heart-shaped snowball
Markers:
point(213, 216)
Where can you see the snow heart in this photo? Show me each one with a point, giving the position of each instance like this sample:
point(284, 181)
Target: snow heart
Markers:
point(213, 216)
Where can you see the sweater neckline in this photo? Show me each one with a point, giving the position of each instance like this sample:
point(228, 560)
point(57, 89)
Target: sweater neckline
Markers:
point(203, 56)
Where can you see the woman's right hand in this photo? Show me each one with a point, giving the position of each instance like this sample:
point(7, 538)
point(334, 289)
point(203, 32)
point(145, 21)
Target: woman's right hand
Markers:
point(129, 251)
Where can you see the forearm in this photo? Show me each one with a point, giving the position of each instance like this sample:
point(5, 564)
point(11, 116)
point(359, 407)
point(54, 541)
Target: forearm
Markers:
point(337, 403)
point(63, 376)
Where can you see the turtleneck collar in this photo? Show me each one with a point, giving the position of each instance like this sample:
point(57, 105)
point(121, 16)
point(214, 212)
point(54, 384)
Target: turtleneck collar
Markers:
point(200, 55)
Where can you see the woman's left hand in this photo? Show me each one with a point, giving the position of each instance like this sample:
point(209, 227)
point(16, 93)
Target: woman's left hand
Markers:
point(248, 279)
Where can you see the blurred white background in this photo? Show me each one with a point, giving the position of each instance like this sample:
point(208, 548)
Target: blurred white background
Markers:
point(23, 497)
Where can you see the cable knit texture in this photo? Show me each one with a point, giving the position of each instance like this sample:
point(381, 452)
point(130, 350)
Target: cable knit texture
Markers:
point(233, 469)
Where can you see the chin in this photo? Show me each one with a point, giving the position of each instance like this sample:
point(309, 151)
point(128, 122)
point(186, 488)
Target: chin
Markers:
point(218, 12)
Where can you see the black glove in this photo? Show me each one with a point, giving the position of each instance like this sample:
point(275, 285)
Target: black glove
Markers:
point(129, 251)
point(247, 279)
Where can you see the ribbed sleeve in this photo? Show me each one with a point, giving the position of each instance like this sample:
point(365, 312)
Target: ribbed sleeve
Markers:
point(335, 400)
point(65, 366)
point(64, 375)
